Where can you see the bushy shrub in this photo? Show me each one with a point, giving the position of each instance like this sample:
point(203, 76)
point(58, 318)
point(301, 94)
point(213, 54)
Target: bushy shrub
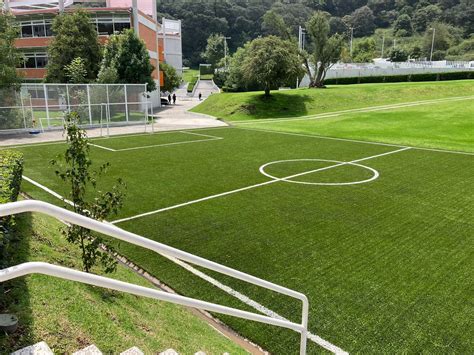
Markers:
point(11, 170)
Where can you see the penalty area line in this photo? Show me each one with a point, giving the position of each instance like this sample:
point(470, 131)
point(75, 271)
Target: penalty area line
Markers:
point(238, 295)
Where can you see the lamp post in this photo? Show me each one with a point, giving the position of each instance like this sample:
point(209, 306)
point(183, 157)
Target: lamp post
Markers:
point(225, 51)
point(432, 45)
point(352, 37)
point(383, 44)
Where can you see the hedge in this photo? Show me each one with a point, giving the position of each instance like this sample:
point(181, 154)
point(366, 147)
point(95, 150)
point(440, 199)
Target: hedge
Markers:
point(11, 171)
point(192, 84)
point(460, 75)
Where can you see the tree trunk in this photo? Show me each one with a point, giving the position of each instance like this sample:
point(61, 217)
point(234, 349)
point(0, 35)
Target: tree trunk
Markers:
point(267, 92)
point(319, 82)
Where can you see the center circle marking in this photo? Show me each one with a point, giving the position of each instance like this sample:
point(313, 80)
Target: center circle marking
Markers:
point(338, 163)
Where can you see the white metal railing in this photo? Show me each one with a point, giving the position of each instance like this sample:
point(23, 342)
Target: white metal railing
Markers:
point(118, 233)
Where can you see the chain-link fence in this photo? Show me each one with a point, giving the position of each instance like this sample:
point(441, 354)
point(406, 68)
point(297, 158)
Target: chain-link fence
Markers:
point(43, 106)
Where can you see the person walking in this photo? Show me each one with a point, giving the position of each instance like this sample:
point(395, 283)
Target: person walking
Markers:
point(200, 96)
point(174, 99)
point(169, 98)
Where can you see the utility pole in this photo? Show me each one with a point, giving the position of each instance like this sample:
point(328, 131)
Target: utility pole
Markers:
point(383, 44)
point(352, 37)
point(301, 38)
point(225, 51)
point(432, 44)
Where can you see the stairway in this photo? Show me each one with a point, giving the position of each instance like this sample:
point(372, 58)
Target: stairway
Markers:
point(43, 349)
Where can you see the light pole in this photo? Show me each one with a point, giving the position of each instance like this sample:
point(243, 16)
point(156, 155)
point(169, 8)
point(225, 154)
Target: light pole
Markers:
point(301, 37)
point(432, 44)
point(383, 44)
point(225, 51)
point(352, 37)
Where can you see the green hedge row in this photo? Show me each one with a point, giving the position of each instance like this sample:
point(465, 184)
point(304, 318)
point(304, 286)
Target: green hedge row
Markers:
point(11, 171)
point(460, 75)
point(192, 83)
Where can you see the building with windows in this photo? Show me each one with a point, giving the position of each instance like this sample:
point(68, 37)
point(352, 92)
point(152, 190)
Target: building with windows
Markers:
point(34, 18)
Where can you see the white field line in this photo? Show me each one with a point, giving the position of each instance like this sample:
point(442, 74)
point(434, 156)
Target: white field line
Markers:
point(250, 187)
point(208, 138)
point(353, 140)
point(102, 147)
point(51, 192)
point(241, 297)
point(356, 110)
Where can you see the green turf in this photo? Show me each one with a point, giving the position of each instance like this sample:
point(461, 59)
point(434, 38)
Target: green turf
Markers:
point(189, 74)
point(69, 316)
point(294, 103)
point(447, 125)
point(387, 265)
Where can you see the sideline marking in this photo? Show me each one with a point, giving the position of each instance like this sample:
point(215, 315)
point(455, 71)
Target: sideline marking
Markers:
point(250, 187)
point(240, 296)
point(208, 138)
point(340, 163)
point(354, 140)
point(355, 110)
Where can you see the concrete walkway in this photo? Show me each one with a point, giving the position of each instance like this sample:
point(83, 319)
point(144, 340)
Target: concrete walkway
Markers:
point(167, 118)
point(206, 88)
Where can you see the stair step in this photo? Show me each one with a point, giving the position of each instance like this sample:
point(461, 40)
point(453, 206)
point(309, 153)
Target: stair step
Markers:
point(133, 351)
point(169, 352)
point(40, 348)
point(90, 350)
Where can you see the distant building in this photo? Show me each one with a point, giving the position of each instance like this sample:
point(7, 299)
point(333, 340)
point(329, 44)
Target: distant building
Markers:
point(35, 17)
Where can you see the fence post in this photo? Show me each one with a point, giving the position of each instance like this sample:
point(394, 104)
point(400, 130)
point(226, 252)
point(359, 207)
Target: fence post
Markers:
point(108, 106)
point(126, 101)
point(89, 103)
point(46, 104)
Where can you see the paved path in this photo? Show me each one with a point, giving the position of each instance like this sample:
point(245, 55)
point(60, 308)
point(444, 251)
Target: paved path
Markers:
point(206, 88)
point(168, 118)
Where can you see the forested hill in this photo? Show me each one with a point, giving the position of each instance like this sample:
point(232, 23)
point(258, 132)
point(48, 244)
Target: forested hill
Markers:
point(242, 19)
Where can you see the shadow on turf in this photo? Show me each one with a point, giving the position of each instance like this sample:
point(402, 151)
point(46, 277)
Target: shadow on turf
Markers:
point(277, 105)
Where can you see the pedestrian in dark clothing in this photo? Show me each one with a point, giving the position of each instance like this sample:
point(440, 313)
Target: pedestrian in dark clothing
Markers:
point(169, 98)
point(174, 99)
point(200, 96)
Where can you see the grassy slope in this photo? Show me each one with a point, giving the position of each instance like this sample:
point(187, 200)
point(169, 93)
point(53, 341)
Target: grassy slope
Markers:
point(70, 316)
point(294, 103)
point(189, 74)
point(387, 265)
point(446, 125)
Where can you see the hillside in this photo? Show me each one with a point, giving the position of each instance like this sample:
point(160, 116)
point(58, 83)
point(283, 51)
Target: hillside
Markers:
point(242, 20)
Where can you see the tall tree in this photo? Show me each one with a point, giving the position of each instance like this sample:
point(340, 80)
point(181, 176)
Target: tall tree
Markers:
point(171, 78)
point(127, 54)
point(75, 36)
point(271, 62)
point(10, 57)
point(214, 52)
point(326, 49)
point(362, 21)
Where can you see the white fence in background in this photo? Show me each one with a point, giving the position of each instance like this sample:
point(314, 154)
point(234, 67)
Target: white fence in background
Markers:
point(43, 106)
point(13, 272)
point(357, 70)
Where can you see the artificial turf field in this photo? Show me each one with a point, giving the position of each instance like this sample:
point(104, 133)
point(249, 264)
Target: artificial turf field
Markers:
point(383, 246)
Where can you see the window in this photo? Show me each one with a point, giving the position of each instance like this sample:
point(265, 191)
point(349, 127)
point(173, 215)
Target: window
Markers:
point(120, 26)
point(105, 26)
point(26, 30)
point(36, 28)
point(34, 61)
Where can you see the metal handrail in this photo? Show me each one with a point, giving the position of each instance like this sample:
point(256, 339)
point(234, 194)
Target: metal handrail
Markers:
point(118, 233)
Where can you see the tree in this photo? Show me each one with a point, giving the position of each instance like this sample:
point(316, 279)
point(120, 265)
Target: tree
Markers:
point(364, 51)
point(78, 174)
point(274, 24)
point(398, 55)
point(214, 52)
point(326, 50)
point(271, 62)
point(10, 57)
point(445, 37)
point(423, 16)
point(76, 71)
point(171, 78)
point(403, 27)
point(362, 21)
point(75, 36)
point(337, 25)
point(127, 54)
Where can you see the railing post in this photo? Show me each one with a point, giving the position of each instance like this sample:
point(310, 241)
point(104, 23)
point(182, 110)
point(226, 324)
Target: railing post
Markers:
point(89, 103)
point(126, 101)
point(45, 89)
